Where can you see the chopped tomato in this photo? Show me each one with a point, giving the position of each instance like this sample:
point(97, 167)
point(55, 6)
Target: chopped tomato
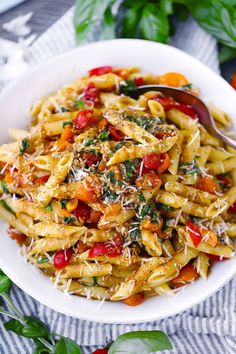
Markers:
point(124, 73)
point(224, 180)
point(94, 216)
point(164, 163)
point(91, 94)
point(146, 224)
point(207, 184)
point(101, 70)
point(42, 179)
point(148, 181)
point(232, 208)
point(187, 109)
point(116, 134)
point(151, 161)
point(62, 258)
point(233, 81)
point(83, 118)
point(173, 79)
point(91, 159)
point(194, 233)
point(81, 247)
point(88, 191)
point(187, 274)
point(82, 211)
point(169, 103)
point(216, 258)
point(162, 134)
point(103, 123)
point(67, 134)
point(110, 248)
point(100, 351)
point(17, 236)
point(134, 300)
point(138, 81)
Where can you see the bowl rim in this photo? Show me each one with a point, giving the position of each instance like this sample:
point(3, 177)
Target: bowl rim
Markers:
point(30, 290)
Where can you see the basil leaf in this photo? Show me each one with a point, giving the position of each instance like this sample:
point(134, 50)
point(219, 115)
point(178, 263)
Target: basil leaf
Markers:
point(5, 282)
point(4, 187)
point(143, 342)
point(79, 104)
point(130, 24)
point(227, 53)
point(49, 207)
point(42, 260)
point(108, 25)
point(67, 346)
point(40, 348)
point(66, 123)
point(154, 24)
point(217, 18)
point(64, 109)
point(25, 144)
point(70, 219)
point(88, 15)
point(14, 326)
point(63, 203)
point(6, 206)
point(34, 328)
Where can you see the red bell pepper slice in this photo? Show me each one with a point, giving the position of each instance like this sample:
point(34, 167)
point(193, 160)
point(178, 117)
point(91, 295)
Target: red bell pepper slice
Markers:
point(101, 70)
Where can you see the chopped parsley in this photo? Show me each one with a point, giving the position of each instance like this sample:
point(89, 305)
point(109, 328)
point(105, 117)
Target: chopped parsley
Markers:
point(49, 207)
point(118, 146)
point(70, 219)
point(109, 196)
point(149, 210)
point(164, 207)
point(189, 168)
point(129, 168)
point(64, 109)
point(187, 86)
point(42, 260)
point(146, 123)
point(79, 104)
point(89, 142)
point(127, 86)
point(95, 281)
point(63, 203)
point(104, 135)
point(141, 197)
point(4, 187)
point(134, 232)
point(7, 207)
point(111, 176)
point(25, 144)
point(66, 123)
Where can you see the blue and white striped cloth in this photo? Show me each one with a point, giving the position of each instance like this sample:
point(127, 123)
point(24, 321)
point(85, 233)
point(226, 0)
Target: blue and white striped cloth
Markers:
point(208, 328)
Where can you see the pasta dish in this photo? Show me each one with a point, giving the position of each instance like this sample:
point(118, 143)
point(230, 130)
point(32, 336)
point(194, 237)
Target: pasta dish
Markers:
point(116, 198)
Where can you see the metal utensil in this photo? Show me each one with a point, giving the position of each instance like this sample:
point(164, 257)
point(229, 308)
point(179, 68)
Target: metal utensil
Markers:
point(182, 96)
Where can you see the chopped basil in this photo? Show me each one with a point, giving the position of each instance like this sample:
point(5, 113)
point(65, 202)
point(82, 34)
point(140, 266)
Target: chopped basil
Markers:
point(70, 219)
point(79, 104)
point(95, 281)
point(134, 232)
point(127, 86)
point(4, 187)
point(129, 168)
point(66, 123)
point(42, 260)
point(149, 210)
point(104, 135)
point(63, 203)
point(164, 207)
point(89, 142)
point(144, 122)
point(118, 146)
point(24, 145)
point(109, 196)
point(111, 176)
point(6, 206)
point(64, 109)
point(187, 86)
point(49, 207)
point(141, 197)
point(189, 168)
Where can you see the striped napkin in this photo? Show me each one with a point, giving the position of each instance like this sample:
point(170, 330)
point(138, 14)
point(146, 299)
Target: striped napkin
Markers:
point(208, 328)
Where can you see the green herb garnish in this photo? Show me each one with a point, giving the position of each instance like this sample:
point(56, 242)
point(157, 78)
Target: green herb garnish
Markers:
point(64, 109)
point(7, 207)
point(42, 260)
point(70, 219)
point(25, 144)
point(79, 104)
point(49, 207)
point(4, 187)
point(111, 176)
point(104, 135)
point(88, 142)
point(164, 207)
point(129, 168)
point(141, 197)
point(109, 196)
point(134, 231)
point(118, 146)
point(66, 123)
point(189, 168)
point(63, 203)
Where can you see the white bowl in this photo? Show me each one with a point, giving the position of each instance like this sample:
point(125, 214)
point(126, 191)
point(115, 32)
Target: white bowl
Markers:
point(15, 102)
